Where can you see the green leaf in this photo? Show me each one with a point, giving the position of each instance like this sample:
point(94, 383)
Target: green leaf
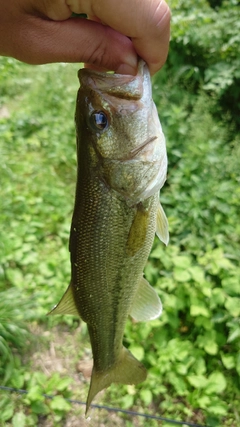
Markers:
point(178, 383)
point(39, 407)
point(234, 334)
point(137, 351)
point(52, 383)
point(208, 342)
point(63, 383)
point(7, 410)
point(216, 383)
point(15, 276)
point(211, 347)
point(199, 310)
point(146, 396)
point(204, 402)
point(219, 408)
point(183, 262)
point(17, 379)
point(218, 297)
point(197, 381)
point(156, 253)
point(181, 275)
point(200, 366)
point(19, 419)
point(35, 394)
point(228, 361)
point(127, 401)
point(40, 378)
point(231, 285)
point(197, 274)
point(232, 304)
point(58, 403)
point(181, 368)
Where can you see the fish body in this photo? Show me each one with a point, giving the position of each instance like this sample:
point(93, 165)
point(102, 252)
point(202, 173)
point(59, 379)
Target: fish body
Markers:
point(122, 165)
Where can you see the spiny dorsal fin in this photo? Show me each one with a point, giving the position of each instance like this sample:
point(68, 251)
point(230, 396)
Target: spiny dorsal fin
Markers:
point(162, 225)
point(66, 304)
point(147, 304)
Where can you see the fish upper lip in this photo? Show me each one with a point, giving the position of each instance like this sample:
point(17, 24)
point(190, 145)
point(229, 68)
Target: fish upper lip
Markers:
point(121, 86)
point(91, 72)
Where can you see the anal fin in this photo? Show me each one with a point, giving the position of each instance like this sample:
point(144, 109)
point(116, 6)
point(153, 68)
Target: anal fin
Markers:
point(147, 304)
point(162, 225)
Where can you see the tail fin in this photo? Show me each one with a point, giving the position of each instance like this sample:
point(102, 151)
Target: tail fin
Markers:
point(127, 370)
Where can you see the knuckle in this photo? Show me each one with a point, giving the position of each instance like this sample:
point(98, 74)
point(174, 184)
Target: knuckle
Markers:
point(102, 54)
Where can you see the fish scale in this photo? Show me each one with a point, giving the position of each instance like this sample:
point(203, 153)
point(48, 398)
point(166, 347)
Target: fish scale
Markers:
point(107, 282)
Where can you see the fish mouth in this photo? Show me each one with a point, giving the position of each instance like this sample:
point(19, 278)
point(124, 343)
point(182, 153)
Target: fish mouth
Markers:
point(118, 85)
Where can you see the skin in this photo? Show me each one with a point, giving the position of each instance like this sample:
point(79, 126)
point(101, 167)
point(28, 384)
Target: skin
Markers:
point(116, 33)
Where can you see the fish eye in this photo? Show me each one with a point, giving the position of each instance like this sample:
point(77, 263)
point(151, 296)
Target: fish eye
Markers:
point(99, 120)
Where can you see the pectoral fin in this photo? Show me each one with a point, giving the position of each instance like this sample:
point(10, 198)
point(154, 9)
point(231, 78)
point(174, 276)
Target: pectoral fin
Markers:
point(66, 304)
point(138, 231)
point(147, 304)
point(162, 225)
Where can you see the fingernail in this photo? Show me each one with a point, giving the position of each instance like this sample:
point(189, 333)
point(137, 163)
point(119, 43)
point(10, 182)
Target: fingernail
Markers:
point(129, 67)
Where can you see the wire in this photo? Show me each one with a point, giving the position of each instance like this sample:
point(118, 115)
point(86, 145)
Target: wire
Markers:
point(110, 409)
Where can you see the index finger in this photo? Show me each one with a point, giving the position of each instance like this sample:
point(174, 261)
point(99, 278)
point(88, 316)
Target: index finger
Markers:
point(146, 22)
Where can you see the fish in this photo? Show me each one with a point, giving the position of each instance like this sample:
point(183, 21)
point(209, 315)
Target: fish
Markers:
point(121, 167)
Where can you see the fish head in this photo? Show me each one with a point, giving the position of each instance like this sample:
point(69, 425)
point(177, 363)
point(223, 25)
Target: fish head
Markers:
point(118, 118)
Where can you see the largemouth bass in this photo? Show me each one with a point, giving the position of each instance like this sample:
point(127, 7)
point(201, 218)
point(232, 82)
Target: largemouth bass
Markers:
point(122, 165)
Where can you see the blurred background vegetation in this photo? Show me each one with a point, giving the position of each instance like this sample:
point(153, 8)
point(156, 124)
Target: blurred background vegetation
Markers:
point(193, 351)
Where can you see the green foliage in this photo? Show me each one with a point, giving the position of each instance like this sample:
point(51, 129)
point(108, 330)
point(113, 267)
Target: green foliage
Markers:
point(37, 384)
point(194, 348)
point(34, 219)
point(192, 352)
point(205, 52)
point(36, 208)
point(14, 334)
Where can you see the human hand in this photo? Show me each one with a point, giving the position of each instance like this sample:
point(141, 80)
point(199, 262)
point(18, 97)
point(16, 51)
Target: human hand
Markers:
point(40, 31)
